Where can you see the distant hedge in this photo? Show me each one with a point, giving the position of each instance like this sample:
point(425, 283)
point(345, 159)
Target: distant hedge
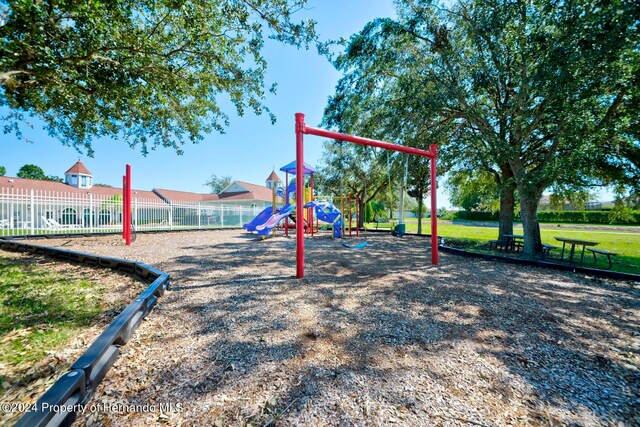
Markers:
point(574, 217)
point(476, 216)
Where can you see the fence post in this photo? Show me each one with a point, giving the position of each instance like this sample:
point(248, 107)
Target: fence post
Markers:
point(241, 209)
point(221, 215)
point(32, 217)
point(199, 217)
point(90, 213)
point(13, 200)
point(135, 213)
point(170, 215)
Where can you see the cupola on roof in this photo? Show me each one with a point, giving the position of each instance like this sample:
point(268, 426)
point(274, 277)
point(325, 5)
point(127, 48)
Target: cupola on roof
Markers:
point(79, 168)
point(274, 177)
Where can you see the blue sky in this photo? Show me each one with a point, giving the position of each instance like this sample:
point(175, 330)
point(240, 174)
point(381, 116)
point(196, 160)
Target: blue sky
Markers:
point(251, 146)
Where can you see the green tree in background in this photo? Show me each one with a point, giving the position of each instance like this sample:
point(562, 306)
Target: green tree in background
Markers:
point(379, 210)
point(418, 184)
point(150, 73)
point(3, 171)
point(217, 184)
point(36, 172)
point(349, 169)
point(368, 212)
point(577, 198)
point(474, 191)
point(31, 172)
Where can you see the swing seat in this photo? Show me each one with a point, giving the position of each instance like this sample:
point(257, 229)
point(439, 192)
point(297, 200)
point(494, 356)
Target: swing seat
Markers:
point(399, 230)
point(358, 246)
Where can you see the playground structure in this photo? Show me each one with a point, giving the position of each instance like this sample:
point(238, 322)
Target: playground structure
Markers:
point(270, 217)
point(308, 194)
point(319, 210)
point(329, 213)
point(301, 129)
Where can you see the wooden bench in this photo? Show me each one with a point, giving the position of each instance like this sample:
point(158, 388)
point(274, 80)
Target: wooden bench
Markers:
point(497, 244)
point(545, 250)
point(601, 252)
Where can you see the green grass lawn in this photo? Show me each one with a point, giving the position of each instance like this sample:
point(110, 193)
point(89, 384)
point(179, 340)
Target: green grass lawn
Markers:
point(40, 311)
point(624, 243)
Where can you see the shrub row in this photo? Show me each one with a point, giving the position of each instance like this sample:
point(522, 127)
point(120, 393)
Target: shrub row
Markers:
point(575, 217)
point(476, 216)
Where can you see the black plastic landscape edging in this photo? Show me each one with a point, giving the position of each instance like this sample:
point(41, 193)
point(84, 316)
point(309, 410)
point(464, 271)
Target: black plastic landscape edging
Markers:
point(546, 264)
point(59, 404)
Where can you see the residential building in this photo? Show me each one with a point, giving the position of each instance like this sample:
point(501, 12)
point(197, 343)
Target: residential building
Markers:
point(30, 203)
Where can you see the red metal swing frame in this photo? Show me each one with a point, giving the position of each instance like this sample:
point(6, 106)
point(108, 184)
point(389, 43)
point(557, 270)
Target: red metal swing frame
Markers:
point(302, 129)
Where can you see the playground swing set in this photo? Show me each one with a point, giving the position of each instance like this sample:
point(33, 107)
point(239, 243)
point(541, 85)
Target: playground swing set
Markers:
point(326, 211)
point(301, 129)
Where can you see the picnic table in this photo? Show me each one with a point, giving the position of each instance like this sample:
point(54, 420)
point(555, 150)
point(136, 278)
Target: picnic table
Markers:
point(514, 241)
point(574, 243)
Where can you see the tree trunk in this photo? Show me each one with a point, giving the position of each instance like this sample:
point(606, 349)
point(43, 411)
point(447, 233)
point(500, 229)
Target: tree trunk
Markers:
point(361, 203)
point(420, 203)
point(529, 215)
point(507, 208)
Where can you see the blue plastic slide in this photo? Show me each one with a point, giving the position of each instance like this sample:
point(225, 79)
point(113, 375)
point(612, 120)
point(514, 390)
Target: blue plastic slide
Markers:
point(265, 229)
point(259, 219)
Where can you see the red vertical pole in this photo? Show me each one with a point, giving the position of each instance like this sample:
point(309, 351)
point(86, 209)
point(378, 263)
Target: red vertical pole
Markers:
point(124, 207)
point(128, 239)
point(299, 195)
point(286, 201)
point(349, 208)
point(434, 207)
point(342, 212)
point(357, 215)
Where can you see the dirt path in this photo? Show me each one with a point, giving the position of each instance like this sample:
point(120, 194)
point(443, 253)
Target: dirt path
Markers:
point(370, 337)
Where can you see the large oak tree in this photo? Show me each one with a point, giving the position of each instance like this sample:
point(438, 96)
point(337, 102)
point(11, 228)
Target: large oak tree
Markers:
point(538, 93)
point(151, 72)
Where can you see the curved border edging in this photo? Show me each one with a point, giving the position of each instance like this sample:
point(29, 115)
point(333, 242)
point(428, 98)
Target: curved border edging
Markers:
point(616, 275)
point(78, 385)
point(546, 264)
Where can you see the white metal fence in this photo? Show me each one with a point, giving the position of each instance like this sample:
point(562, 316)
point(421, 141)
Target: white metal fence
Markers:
point(32, 212)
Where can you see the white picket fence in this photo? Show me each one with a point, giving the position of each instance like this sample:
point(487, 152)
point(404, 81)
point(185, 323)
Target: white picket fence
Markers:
point(33, 212)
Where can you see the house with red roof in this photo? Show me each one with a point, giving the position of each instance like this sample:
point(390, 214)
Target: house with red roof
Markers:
point(238, 193)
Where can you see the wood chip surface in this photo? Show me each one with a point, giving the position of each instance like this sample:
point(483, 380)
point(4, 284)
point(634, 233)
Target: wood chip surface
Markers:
point(370, 337)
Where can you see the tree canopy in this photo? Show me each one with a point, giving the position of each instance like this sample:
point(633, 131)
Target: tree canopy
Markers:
point(31, 172)
point(3, 171)
point(217, 184)
point(153, 73)
point(474, 191)
point(535, 93)
point(36, 172)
